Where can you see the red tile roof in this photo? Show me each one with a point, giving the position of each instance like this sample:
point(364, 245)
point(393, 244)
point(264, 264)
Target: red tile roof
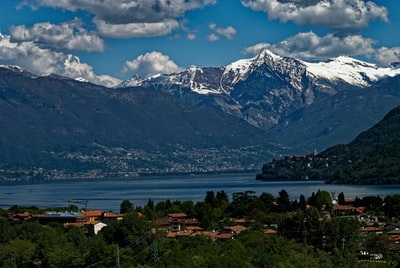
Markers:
point(93, 213)
point(269, 231)
point(177, 215)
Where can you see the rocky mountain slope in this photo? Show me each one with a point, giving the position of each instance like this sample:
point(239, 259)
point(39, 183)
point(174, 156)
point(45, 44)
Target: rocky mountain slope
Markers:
point(280, 93)
point(54, 127)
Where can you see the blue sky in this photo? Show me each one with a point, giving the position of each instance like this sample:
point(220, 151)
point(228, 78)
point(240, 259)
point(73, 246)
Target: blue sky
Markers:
point(108, 41)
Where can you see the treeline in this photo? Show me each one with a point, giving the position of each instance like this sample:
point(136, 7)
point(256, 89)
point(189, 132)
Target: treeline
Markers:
point(304, 238)
point(371, 158)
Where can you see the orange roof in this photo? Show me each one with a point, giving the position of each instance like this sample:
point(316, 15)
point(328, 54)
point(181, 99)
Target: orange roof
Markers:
point(112, 215)
point(194, 228)
point(269, 231)
point(371, 229)
point(93, 213)
point(22, 215)
point(342, 207)
point(236, 229)
point(240, 220)
point(177, 215)
point(224, 236)
point(212, 234)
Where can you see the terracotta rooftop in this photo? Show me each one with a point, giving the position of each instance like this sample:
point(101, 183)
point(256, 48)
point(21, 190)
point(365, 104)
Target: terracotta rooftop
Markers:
point(177, 215)
point(269, 231)
point(370, 229)
point(93, 213)
point(112, 215)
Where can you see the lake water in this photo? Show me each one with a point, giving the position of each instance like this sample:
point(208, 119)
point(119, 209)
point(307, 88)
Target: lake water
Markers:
point(108, 195)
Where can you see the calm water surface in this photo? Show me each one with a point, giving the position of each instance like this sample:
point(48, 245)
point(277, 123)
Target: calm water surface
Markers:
point(108, 195)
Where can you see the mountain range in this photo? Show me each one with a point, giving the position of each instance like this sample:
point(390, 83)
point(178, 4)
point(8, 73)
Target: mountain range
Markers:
point(55, 127)
point(309, 105)
point(212, 119)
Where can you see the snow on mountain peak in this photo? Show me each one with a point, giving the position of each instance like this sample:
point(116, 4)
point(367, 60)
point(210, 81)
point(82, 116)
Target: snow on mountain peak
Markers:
point(14, 68)
point(352, 71)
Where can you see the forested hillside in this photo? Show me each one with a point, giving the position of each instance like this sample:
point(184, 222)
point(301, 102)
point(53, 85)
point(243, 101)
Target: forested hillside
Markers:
point(373, 157)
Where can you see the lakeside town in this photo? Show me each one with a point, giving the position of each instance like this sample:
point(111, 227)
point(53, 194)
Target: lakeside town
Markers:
point(112, 162)
point(367, 229)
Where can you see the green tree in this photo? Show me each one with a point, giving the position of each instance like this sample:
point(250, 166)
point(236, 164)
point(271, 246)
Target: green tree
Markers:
point(283, 201)
point(267, 200)
point(323, 200)
point(241, 203)
point(18, 253)
point(341, 199)
point(126, 207)
point(7, 233)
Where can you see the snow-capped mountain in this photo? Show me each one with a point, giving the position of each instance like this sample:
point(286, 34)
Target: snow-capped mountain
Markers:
point(267, 87)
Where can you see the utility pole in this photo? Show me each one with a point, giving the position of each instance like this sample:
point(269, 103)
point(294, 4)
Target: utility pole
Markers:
point(154, 246)
point(80, 201)
point(117, 257)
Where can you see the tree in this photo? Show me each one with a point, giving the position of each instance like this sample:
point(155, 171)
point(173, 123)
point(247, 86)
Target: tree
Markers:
point(126, 207)
point(7, 233)
point(283, 201)
point(18, 253)
point(302, 203)
point(341, 199)
point(210, 198)
point(323, 199)
point(241, 203)
point(392, 206)
point(267, 200)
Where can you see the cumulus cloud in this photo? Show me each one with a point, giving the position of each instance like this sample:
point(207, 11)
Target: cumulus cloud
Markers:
point(191, 36)
point(218, 32)
point(44, 61)
point(131, 30)
point(150, 64)
point(387, 56)
point(156, 16)
point(212, 37)
point(311, 46)
point(69, 35)
point(347, 15)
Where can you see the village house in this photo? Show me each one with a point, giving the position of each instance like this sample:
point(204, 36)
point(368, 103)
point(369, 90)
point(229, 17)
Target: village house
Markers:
point(176, 222)
point(60, 217)
point(109, 217)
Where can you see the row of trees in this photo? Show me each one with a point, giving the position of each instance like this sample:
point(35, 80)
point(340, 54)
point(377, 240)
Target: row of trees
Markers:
point(304, 239)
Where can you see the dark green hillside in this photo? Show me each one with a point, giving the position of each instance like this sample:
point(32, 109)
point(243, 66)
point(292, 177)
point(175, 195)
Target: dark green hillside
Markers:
point(372, 158)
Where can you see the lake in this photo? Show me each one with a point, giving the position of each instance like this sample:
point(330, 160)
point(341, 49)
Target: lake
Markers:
point(107, 195)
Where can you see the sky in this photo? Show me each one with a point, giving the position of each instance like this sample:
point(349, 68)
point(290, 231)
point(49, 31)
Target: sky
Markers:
point(108, 41)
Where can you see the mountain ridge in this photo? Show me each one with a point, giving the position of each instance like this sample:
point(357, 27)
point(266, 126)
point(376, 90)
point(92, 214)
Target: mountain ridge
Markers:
point(55, 127)
point(269, 91)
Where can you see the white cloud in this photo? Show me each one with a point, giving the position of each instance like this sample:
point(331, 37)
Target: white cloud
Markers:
point(157, 17)
point(150, 64)
point(212, 37)
point(44, 61)
point(141, 29)
point(68, 35)
point(218, 32)
point(386, 55)
point(191, 36)
point(348, 15)
point(309, 45)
